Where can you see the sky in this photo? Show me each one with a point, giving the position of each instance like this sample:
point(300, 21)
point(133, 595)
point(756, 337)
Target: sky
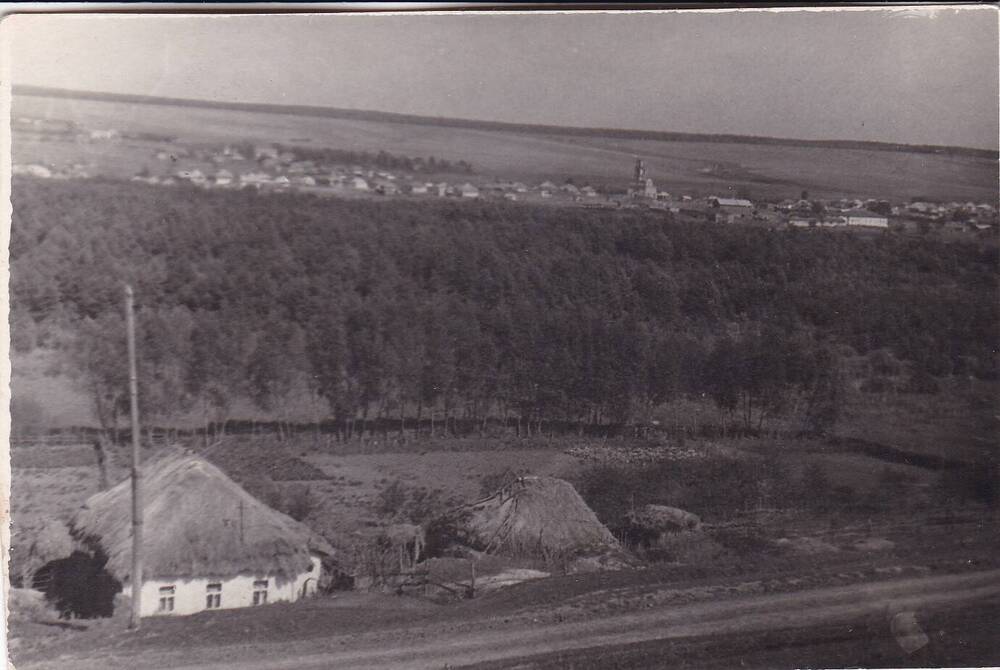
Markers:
point(921, 76)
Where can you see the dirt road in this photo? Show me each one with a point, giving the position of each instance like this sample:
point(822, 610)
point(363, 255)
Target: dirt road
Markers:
point(425, 647)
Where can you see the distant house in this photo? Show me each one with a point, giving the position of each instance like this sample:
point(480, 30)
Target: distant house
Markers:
point(547, 186)
point(223, 178)
point(104, 134)
point(649, 189)
point(304, 180)
point(195, 176)
point(510, 196)
point(282, 181)
point(467, 190)
point(208, 543)
point(386, 188)
point(262, 152)
point(441, 189)
point(255, 179)
point(419, 189)
point(736, 204)
point(358, 183)
point(588, 191)
point(301, 167)
point(864, 219)
point(731, 209)
point(571, 189)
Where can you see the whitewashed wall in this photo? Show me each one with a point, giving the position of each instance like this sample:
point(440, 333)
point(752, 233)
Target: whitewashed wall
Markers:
point(189, 594)
point(868, 221)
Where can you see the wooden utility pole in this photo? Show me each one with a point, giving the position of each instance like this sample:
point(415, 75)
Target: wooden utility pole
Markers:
point(136, 491)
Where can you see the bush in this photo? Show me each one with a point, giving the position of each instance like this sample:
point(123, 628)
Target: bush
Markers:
point(391, 500)
point(413, 504)
point(445, 532)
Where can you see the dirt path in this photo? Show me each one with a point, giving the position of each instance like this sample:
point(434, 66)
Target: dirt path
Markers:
point(423, 647)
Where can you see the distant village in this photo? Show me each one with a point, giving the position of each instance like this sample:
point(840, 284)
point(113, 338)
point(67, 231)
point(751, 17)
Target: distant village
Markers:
point(275, 168)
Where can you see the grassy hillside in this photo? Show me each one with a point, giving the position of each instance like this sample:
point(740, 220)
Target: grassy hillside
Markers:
point(759, 170)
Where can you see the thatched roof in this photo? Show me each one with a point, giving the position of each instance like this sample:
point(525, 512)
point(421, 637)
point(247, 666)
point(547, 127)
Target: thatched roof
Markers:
point(537, 517)
point(196, 522)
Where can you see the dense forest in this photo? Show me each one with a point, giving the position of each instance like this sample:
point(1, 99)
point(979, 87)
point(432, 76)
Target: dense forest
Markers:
point(383, 308)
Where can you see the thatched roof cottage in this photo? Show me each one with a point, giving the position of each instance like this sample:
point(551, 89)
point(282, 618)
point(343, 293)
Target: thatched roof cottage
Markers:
point(207, 543)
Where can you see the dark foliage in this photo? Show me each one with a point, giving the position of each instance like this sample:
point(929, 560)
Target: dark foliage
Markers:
point(442, 309)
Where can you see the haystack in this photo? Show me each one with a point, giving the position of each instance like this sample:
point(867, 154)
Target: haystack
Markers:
point(537, 517)
point(196, 522)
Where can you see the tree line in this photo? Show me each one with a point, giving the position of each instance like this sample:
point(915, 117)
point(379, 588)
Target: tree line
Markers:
point(381, 159)
point(367, 309)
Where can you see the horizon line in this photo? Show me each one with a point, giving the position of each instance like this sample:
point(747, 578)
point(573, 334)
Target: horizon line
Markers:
point(492, 125)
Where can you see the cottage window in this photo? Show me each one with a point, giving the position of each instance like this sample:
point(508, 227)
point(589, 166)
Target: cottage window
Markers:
point(167, 598)
point(260, 592)
point(213, 597)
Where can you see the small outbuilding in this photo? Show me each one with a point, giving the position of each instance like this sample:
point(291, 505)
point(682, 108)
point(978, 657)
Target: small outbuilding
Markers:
point(207, 543)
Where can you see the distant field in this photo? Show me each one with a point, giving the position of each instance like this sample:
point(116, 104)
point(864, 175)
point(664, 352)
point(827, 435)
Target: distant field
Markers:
point(758, 170)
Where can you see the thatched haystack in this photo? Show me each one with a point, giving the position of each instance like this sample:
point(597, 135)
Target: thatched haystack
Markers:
point(538, 517)
point(196, 522)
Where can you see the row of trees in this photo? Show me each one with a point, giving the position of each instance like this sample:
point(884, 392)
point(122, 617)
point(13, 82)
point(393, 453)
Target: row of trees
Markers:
point(380, 159)
point(294, 306)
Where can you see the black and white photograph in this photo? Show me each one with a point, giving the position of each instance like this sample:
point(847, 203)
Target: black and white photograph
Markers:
point(498, 337)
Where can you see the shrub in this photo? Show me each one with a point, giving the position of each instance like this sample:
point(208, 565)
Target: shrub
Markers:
point(392, 499)
point(444, 532)
point(413, 504)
